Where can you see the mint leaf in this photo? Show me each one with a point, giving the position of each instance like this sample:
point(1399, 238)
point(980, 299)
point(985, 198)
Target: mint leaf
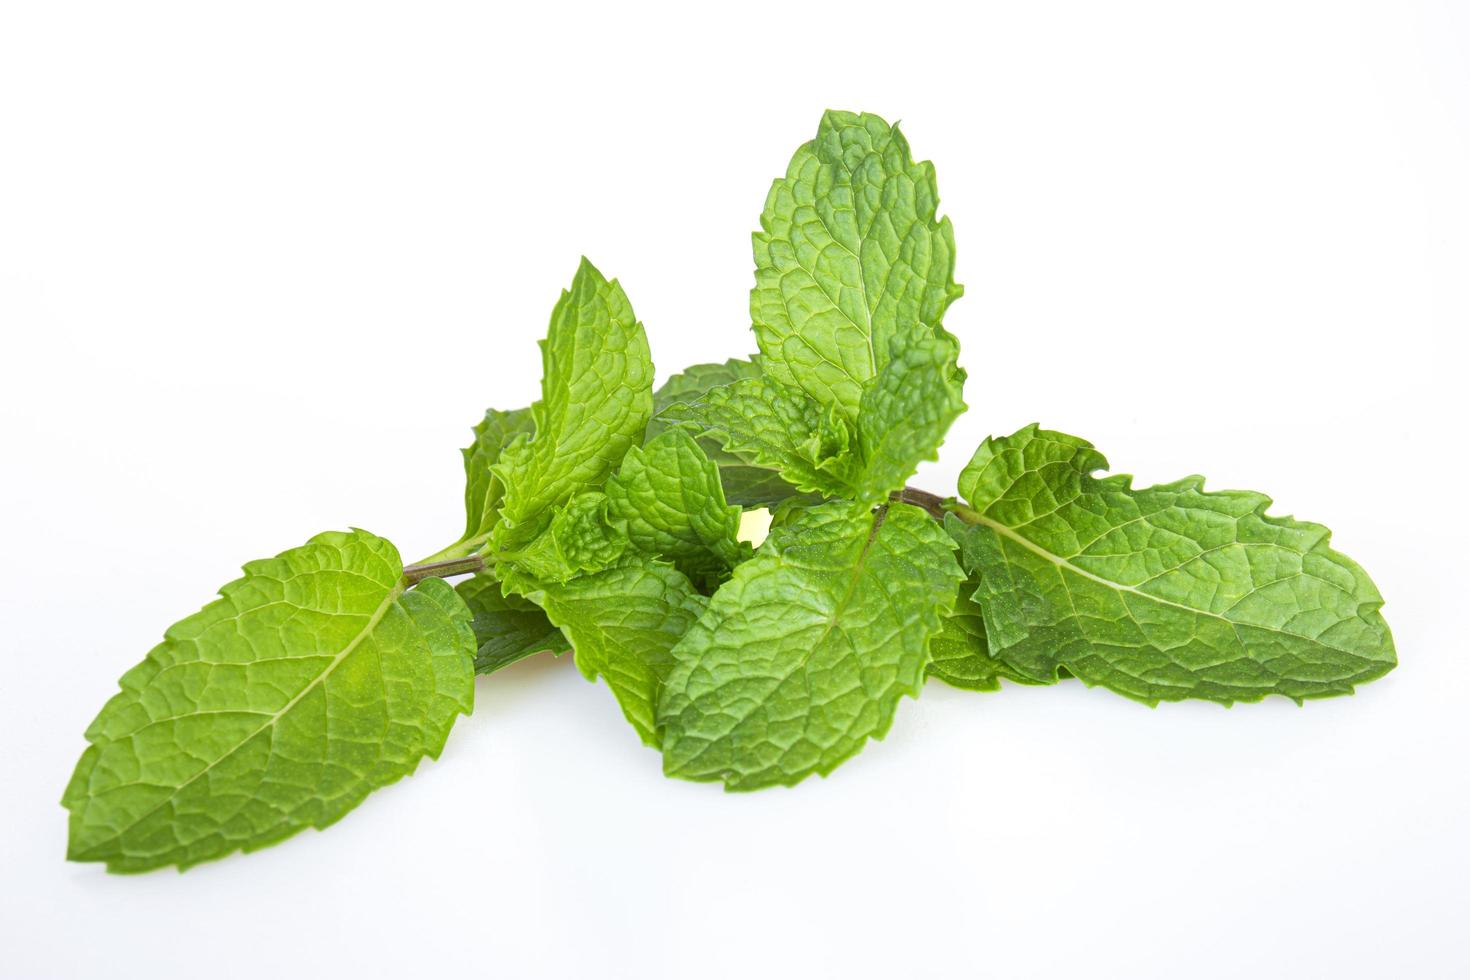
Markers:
point(746, 484)
point(668, 499)
point(959, 654)
point(907, 409)
point(580, 540)
point(773, 425)
point(312, 681)
point(903, 415)
point(690, 384)
point(620, 609)
point(749, 486)
point(483, 491)
point(805, 652)
point(507, 628)
point(596, 399)
point(1160, 593)
point(849, 257)
point(623, 622)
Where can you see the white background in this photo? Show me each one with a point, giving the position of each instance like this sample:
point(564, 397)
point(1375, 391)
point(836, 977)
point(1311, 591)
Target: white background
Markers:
point(261, 266)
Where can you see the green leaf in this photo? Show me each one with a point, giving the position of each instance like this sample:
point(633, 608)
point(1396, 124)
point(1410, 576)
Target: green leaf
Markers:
point(959, 654)
point(779, 427)
point(482, 490)
point(849, 257)
point(1162, 593)
point(691, 384)
point(622, 622)
point(907, 410)
point(507, 627)
point(750, 486)
point(746, 484)
point(805, 652)
point(668, 498)
point(596, 399)
point(580, 540)
point(312, 681)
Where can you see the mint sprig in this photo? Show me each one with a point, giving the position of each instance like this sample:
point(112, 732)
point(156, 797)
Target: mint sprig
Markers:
point(604, 521)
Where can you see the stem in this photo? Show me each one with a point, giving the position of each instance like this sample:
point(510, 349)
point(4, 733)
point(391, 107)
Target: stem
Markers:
point(460, 558)
point(967, 514)
point(443, 569)
point(460, 549)
point(931, 502)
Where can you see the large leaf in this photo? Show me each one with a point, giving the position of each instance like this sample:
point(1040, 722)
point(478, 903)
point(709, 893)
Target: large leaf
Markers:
point(596, 399)
point(622, 622)
point(507, 628)
point(850, 257)
point(310, 682)
point(805, 652)
point(668, 499)
point(482, 491)
point(1161, 593)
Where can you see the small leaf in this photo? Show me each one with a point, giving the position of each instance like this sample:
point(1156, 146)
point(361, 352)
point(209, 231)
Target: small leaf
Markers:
point(959, 654)
point(483, 491)
point(596, 399)
point(691, 384)
point(805, 652)
point(750, 486)
point(746, 484)
point(507, 627)
point(849, 257)
point(622, 623)
point(580, 540)
point(907, 409)
point(1162, 593)
point(312, 681)
point(668, 498)
point(772, 425)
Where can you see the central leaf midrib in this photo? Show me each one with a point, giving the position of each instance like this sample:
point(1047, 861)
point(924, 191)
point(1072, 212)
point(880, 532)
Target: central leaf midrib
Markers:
point(1063, 563)
point(866, 327)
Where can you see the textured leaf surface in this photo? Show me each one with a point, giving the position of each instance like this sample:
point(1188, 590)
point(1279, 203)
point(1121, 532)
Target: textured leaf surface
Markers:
point(907, 409)
point(690, 384)
point(849, 256)
point(579, 540)
point(507, 628)
point(310, 682)
point(773, 425)
point(746, 484)
point(622, 623)
point(959, 654)
point(596, 399)
point(1162, 593)
point(751, 486)
point(805, 652)
point(482, 490)
point(668, 498)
